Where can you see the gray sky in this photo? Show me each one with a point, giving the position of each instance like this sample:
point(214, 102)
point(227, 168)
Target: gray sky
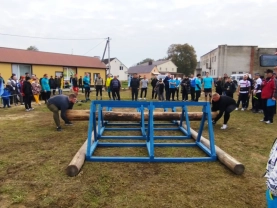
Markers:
point(139, 28)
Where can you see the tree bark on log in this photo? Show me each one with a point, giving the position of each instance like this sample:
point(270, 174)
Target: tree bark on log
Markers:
point(230, 162)
point(83, 115)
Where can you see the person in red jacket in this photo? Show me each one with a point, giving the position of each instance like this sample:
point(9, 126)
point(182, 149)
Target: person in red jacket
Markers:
point(268, 93)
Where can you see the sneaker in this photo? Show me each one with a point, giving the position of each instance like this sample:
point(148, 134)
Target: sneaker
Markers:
point(242, 109)
point(144, 98)
point(262, 120)
point(69, 124)
point(59, 128)
point(224, 127)
point(236, 109)
point(139, 98)
point(31, 109)
point(269, 122)
point(27, 110)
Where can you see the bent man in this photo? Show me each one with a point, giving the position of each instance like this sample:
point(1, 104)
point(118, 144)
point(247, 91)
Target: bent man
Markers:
point(223, 104)
point(61, 103)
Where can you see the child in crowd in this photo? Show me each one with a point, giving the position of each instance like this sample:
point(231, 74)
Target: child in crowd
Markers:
point(36, 88)
point(160, 89)
point(6, 97)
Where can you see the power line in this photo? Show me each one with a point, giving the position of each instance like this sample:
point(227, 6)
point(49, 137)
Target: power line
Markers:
point(93, 47)
point(25, 36)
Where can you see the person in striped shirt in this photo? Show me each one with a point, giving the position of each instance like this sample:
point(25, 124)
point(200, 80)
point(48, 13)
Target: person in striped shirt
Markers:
point(244, 90)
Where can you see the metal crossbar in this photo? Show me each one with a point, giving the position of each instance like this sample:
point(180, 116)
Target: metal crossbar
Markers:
point(148, 139)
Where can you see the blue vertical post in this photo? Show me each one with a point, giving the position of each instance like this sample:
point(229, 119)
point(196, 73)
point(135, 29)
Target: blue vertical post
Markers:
point(91, 129)
point(211, 132)
point(151, 130)
point(99, 119)
point(201, 124)
point(142, 121)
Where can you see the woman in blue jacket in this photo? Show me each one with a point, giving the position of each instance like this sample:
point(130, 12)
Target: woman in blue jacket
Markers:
point(45, 87)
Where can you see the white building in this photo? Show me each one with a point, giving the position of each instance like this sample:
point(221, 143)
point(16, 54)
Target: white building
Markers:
point(232, 60)
point(164, 67)
point(117, 68)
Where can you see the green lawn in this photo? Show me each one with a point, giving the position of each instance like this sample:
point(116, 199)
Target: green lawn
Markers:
point(34, 158)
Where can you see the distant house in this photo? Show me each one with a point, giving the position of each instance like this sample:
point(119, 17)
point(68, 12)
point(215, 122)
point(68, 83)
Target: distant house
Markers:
point(20, 61)
point(117, 68)
point(164, 67)
point(148, 70)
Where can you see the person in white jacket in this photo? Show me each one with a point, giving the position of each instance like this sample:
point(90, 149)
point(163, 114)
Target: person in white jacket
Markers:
point(271, 175)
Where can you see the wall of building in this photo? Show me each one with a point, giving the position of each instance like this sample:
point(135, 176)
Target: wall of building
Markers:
point(6, 71)
point(209, 63)
point(167, 67)
point(82, 71)
point(40, 70)
point(115, 70)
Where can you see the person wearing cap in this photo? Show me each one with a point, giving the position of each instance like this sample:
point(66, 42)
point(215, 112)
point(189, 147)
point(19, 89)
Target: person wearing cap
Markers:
point(267, 95)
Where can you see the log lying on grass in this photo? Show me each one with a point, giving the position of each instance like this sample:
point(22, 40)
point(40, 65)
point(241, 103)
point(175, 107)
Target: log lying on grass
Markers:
point(83, 115)
point(223, 157)
point(77, 162)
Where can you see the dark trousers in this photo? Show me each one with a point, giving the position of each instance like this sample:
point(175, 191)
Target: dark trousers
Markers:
point(229, 94)
point(243, 98)
point(161, 95)
point(45, 96)
point(145, 92)
point(197, 95)
point(192, 93)
point(28, 101)
point(99, 90)
point(81, 86)
point(167, 94)
point(177, 93)
point(6, 102)
point(54, 92)
point(87, 92)
point(227, 112)
point(115, 94)
point(185, 94)
point(172, 93)
point(154, 93)
point(135, 94)
point(268, 111)
point(257, 102)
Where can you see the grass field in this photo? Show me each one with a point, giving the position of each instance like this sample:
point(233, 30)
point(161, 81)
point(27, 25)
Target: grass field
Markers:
point(34, 158)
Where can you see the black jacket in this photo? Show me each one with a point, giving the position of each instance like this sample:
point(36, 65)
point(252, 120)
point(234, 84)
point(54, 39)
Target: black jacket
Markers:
point(75, 82)
point(27, 88)
point(229, 88)
point(154, 82)
point(185, 85)
point(221, 105)
point(134, 83)
point(52, 83)
point(58, 82)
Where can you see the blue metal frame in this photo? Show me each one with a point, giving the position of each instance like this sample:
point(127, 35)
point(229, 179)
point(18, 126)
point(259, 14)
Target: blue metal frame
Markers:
point(147, 129)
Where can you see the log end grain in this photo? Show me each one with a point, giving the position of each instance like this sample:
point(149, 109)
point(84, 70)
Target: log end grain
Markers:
point(239, 169)
point(72, 170)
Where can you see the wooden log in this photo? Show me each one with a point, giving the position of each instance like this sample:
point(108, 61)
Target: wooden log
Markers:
point(83, 115)
point(230, 162)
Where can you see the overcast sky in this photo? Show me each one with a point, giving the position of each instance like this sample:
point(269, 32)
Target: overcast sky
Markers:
point(138, 28)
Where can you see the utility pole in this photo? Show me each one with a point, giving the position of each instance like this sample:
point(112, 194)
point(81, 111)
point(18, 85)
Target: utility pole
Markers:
point(109, 55)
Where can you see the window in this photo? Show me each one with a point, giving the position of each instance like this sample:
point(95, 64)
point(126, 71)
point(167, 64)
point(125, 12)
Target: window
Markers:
point(165, 69)
point(172, 69)
point(67, 72)
point(20, 69)
point(240, 72)
point(207, 65)
point(215, 58)
point(58, 74)
point(120, 67)
point(234, 72)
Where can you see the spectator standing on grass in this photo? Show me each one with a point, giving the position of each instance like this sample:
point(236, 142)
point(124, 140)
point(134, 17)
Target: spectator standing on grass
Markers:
point(160, 89)
point(185, 88)
point(45, 87)
point(224, 80)
point(257, 94)
point(5, 94)
point(20, 89)
point(134, 85)
point(98, 85)
point(115, 87)
point(166, 84)
point(229, 88)
point(172, 88)
point(36, 88)
point(208, 84)
point(52, 84)
point(178, 82)
point(268, 99)
point(251, 92)
point(86, 83)
point(80, 82)
point(58, 82)
point(218, 86)
point(75, 84)
point(28, 94)
point(244, 91)
point(153, 84)
point(10, 88)
point(192, 87)
point(16, 90)
point(61, 103)
point(108, 85)
point(143, 87)
point(198, 87)
point(223, 104)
